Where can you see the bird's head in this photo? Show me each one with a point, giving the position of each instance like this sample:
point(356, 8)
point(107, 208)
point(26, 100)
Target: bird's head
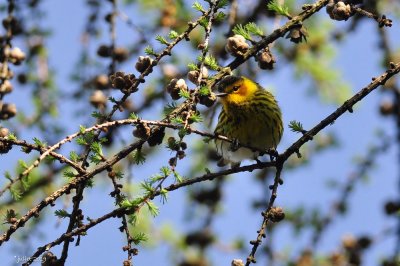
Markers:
point(234, 90)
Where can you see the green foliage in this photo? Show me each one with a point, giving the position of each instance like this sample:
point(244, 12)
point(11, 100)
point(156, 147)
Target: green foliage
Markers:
point(154, 178)
point(296, 126)
point(184, 93)
point(138, 157)
point(207, 140)
point(166, 171)
point(173, 35)
point(196, 5)
point(193, 67)
point(172, 144)
point(195, 118)
point(26, 149)
point(11, 136)
point(222, 4)
point(147, 186)
point(248, 30)
point(97, 155)
point(26, 182)
point(169, 108)
point(74, 156)
point(133, 116)
point(162, 40)
point(204, 91)
point(39, 143)
point(154, 211)
point(119, 174)
point(96, 148)
point(219, 17)
point(97, 115)
point(183, 132)
point(164, 195)
point(68, 173)
point(89, 183)
point(132, 219)
point(177, 120)
point(50, 159)
point(204, 22)
point(112, 99)
point(208, 171)
point(22, 164)
point(126, 204)
point(129, 204)
point(10, 214)
point(82, 129)
point(16, 194)
point(282, 10)
point(62, 213)
point(211, 62)
point(139, 237)
point(81, 141)
point(103, 140)
point(85, 139)
point(240, 30)
point(178, 177)
point(254, 29)
point(95, 158)
point(149, 51)
point(8, 175)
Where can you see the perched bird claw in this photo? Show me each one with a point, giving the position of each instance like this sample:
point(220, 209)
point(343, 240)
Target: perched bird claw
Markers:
point(221, 162)
point(234, 145)
point(273, 154)
point(235, 165)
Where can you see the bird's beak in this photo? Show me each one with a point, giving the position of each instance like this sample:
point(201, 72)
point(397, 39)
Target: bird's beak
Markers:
point(221, 94)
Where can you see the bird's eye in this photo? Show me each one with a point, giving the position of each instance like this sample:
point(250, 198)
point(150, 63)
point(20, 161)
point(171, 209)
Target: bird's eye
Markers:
point(236, 88)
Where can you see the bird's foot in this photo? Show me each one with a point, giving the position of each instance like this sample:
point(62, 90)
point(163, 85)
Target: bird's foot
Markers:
point(222, 162)
point(258, 160)
point(273, 154)
point(235, 165)
point(234, 145)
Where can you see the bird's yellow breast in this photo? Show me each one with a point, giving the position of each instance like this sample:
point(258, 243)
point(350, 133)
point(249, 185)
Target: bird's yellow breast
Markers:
point(251, 126)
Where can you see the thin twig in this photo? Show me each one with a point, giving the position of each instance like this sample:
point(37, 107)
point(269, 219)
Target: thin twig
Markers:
point(23, 143)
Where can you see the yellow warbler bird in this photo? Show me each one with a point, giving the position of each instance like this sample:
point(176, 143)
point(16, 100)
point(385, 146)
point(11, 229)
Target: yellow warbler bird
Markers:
point(250, 116)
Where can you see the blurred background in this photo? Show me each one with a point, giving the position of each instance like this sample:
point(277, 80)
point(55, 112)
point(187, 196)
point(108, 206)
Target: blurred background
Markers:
point(341, 198)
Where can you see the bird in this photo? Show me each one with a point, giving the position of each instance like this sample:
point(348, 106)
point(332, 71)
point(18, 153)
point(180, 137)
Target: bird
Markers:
point(250, 116)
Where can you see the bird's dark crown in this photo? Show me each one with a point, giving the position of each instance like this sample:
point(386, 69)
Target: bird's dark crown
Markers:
point(227, 81)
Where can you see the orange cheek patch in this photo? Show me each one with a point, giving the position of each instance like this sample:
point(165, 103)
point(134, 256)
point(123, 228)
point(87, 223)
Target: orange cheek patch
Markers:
point(242, 91)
